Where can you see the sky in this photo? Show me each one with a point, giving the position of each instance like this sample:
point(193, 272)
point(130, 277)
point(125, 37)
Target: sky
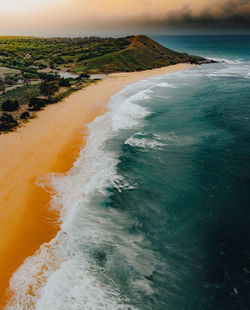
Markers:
point(123, 17)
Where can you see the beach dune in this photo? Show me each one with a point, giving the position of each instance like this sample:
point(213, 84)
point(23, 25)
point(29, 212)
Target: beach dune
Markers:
point(49, 143)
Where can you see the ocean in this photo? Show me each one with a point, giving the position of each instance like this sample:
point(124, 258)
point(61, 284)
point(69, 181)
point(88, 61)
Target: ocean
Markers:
point(156, 208)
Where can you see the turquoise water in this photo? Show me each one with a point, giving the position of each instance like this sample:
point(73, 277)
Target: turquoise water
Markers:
point(189, 163)
point(156, 209)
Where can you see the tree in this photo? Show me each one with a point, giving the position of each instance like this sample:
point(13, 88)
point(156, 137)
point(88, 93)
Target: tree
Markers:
point(10, 105)
point(59, 60)
point(25, 115)
point(64, 82)
point(36, 104)
point(7, 122)
point(49, 77)
point(52, 64)
point(48, 89)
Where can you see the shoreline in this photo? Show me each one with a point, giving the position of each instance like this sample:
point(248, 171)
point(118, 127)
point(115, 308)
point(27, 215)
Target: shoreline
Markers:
point(49, 143)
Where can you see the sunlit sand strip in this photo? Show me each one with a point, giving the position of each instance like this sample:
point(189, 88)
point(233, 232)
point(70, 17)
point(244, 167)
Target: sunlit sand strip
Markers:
point(49, 143)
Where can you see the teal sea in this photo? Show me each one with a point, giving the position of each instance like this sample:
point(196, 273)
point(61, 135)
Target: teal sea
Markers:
point(156, 208)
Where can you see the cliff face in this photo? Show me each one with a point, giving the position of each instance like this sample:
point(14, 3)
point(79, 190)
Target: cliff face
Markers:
point(141, 54)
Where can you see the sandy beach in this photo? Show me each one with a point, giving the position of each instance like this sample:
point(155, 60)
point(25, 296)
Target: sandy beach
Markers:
point(49, 143)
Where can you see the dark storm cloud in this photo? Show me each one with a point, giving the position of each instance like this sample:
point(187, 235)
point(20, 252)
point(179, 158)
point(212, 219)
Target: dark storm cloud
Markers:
point(232, 16)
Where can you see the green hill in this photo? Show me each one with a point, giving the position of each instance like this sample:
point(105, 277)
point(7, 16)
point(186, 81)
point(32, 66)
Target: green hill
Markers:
point(141, 53)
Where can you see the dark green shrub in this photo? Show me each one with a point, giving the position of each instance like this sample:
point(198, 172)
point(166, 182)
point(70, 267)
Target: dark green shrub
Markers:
point(58, 60)
point(48, 89)
point(25, 115)
point(48, 77)
point(36, 104)
point(10, 105)
point(52, 64)
point(7, 122)
point(64, 82)
point(81, 58)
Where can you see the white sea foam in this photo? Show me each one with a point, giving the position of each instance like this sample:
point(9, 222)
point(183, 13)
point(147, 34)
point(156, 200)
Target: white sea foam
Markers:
point(231, 70)
point(157, 142)
point(139, 141)
point(165, 84)
point(228, 61)
point(65, 274)
point(144, 143)
point(127, 113)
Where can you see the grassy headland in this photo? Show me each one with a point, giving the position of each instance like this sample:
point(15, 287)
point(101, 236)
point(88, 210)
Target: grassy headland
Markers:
point(29, 68)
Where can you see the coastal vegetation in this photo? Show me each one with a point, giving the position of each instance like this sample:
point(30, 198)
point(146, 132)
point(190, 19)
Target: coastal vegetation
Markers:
point(27, 56)
point(23, 101)
point(30, 54)
point(7, 122)
point(33, 70)
point(10, 105)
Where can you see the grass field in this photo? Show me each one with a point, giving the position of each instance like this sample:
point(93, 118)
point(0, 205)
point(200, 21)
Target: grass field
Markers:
point(8, 71)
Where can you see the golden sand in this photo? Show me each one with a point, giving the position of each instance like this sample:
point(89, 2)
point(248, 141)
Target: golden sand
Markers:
point(49, 143)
